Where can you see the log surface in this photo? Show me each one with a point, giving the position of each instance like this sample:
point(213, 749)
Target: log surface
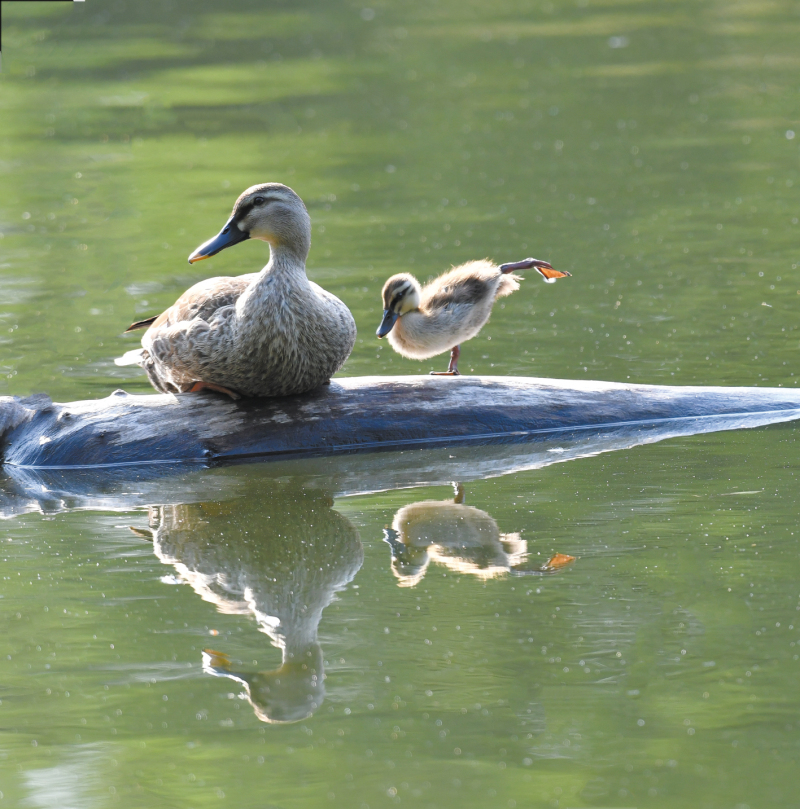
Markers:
point(358, 414)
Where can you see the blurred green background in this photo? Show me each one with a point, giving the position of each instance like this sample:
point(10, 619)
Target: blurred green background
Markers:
point(646, 148)
point(650, 149)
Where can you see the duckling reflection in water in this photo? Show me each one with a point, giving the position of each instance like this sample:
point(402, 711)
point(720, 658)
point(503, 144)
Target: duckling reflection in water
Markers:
point(425, 321)
point(280, 559)
point(462, 538)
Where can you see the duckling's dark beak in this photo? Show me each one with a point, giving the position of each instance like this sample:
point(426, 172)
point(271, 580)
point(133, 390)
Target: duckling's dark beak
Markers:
point(389, 319)
point(227, 237)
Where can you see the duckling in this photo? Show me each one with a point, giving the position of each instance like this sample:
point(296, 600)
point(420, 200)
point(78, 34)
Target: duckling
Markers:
point(425, 321)
point(459, 537)
point(271, 333)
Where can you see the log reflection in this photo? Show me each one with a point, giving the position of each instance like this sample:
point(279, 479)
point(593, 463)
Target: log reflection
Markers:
point(278, 555)
point(459, 537)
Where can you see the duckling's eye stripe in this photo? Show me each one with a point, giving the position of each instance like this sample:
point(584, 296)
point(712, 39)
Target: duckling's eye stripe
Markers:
point(396, 300)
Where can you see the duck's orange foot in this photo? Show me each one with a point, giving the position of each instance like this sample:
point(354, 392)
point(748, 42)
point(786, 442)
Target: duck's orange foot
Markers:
point(199, 386)
point(557, 561)
point(544, 268)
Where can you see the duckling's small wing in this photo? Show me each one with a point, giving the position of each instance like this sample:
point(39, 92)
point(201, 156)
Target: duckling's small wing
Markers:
point(469, 290)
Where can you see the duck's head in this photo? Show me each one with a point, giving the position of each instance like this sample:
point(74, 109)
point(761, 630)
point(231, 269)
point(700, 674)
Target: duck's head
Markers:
point(288, 694)
point(400, 295)
point(271, 212)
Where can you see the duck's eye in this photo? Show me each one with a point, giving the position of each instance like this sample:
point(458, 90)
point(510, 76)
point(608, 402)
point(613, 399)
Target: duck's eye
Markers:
point(258, 200)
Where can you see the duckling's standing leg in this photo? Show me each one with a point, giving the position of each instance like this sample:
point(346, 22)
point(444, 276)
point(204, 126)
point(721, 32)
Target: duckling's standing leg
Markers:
point(452, 368)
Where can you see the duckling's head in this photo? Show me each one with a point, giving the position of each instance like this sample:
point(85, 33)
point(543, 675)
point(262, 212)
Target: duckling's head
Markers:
point(401, 294)
point(271, 212)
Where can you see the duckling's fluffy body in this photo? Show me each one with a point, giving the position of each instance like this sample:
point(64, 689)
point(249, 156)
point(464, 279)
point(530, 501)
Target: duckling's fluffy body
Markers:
point(461, 538)
point(452, 308)
point(271, 333)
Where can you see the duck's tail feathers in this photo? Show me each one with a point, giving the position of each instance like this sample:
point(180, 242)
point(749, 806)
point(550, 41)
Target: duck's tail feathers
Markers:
point(132, 357)
point(141, 324)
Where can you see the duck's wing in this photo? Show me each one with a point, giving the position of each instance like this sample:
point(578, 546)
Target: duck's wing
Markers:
point(187, 342)
point(202, 301)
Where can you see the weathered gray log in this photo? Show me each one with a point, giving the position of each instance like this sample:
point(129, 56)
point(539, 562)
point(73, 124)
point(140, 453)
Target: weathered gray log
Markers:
point(117, 453)
point(357, 414)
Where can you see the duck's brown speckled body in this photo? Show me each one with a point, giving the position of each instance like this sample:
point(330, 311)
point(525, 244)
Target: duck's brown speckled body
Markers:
point(272, 333)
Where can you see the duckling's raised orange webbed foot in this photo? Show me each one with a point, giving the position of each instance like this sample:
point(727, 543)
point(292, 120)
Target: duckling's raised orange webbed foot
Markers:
point(198, 386)
point(544, 268)
point(452, 368)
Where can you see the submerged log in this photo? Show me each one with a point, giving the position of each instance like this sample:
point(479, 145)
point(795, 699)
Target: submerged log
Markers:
point(360, 414)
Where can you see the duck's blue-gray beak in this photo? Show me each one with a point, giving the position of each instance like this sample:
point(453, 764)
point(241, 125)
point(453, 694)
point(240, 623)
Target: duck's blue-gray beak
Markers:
point(227, 237)
point(389, 319)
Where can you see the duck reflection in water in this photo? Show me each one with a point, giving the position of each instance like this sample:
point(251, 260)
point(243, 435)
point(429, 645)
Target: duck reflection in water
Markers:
point(462, 538)
point(279, 555)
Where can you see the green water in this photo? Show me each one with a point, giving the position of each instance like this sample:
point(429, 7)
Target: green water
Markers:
point(647, 148)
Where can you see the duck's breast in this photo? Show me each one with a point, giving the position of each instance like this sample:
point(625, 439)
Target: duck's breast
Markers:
point(294, 340)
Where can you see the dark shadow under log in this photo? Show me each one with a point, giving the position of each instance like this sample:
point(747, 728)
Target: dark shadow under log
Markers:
point(358, 415)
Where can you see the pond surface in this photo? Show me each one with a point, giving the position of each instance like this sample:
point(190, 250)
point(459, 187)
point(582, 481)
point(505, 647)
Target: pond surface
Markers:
point(266, 636)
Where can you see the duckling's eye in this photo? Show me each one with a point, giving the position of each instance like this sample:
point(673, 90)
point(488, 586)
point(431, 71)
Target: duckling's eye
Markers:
point(258, 200)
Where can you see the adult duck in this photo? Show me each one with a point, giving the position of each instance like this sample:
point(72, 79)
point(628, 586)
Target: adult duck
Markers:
point(271, 333)
point(425, 321)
